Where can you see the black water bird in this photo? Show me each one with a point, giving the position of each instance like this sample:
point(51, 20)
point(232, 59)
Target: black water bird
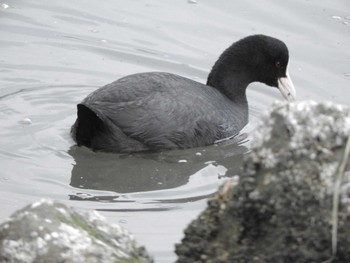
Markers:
point(154, 111)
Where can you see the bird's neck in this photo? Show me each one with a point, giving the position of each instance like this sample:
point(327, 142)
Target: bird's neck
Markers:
point(231, 82)
point(232, 73)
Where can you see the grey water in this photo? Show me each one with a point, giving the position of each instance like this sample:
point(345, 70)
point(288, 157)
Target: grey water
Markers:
point(54, 53)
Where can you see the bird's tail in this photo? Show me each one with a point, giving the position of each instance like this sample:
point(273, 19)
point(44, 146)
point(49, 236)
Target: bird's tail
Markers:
point(86, 127)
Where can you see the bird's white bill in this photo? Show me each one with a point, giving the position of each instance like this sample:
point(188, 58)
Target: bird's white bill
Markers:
point(286, 87)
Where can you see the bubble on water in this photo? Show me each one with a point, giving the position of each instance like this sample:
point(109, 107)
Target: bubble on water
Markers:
point(26, 121)
point(345, 22)
point(182, 161)
point(94, 30)
point(84, 195)
point(5, 6)
point(192, 1)
point(337, 17)
point(103, 40)
point(124, 197)
point(198, 153)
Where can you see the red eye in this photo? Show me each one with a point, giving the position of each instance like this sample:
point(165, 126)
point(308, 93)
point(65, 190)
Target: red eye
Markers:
point(278, 64)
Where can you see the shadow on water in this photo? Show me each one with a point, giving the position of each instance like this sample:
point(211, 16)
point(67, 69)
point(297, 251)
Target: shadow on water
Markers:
point(188, 169)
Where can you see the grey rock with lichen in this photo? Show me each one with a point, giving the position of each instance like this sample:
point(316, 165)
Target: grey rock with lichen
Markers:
point(281, 208)
point(49, 232)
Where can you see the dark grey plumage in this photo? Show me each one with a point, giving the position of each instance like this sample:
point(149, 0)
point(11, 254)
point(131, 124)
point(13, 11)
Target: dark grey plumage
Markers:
point(153, 111)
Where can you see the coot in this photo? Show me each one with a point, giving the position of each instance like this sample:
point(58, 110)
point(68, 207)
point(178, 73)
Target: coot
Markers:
point(156, 110)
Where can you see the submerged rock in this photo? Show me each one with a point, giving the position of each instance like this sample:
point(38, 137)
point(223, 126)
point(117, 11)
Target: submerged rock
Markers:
point(48, 231)
point(281, 208)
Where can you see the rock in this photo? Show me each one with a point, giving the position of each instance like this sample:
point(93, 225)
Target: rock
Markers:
point(281, 208)
point(49, 232)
